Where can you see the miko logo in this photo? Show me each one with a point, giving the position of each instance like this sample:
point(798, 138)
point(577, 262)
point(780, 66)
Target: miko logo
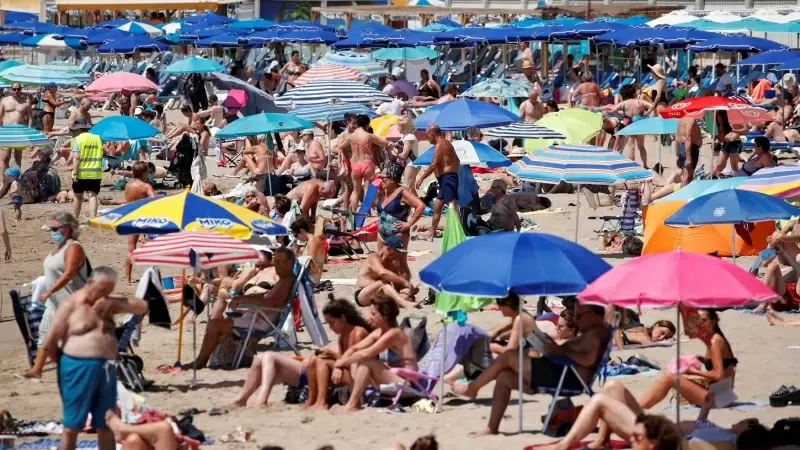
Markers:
point(210, 223)
point(150, 222)
point(719, 212)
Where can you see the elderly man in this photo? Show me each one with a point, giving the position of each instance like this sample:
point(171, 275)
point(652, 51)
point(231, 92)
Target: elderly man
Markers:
point(446, 166)
point(504, 211)
point(385, 277)
point(15, 109)
point(87, 379)
point(306, 195)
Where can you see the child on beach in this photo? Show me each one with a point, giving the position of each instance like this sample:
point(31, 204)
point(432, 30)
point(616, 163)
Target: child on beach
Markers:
point(11, 176)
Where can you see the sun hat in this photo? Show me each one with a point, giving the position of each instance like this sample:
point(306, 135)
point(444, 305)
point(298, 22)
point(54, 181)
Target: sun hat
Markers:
point(516, 152)
point(658, 70)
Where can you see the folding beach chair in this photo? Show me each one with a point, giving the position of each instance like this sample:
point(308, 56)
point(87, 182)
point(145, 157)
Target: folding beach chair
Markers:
point(274, 328)
point(28, 315)
point(355, 229)
point(130, 367)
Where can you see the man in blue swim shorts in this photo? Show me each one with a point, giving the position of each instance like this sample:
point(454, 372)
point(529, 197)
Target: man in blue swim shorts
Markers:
point(87, 379)
point(446, 166)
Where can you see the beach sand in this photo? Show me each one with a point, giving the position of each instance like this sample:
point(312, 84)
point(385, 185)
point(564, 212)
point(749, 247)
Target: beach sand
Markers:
point(768, 356)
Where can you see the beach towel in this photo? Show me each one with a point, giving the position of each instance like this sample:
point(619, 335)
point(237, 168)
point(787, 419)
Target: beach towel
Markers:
point(668, 343)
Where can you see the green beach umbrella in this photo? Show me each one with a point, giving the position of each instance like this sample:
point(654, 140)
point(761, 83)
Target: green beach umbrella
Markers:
point(410, 53)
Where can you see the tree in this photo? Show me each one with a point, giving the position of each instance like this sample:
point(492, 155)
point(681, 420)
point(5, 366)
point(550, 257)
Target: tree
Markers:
point(300, 11)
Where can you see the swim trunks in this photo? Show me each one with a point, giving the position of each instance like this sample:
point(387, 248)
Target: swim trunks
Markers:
point(694, 153)
point(87, 385)
point(448, 187)
point(355, 296)
point(16, 201)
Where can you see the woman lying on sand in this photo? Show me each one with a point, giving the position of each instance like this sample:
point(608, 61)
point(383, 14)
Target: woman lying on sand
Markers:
point(635, 333)
point(387, 346)
point(719, 364)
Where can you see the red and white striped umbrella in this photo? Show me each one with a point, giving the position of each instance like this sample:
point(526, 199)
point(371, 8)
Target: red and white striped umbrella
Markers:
point(329, 72)
point(193, 250)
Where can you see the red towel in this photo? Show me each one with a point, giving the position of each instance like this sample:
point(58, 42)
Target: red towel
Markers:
point(616, 444)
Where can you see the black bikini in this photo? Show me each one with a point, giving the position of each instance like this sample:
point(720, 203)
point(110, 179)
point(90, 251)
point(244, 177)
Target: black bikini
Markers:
point(262, 284)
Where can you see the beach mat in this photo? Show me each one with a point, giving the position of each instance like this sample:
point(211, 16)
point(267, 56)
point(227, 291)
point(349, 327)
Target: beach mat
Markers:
point(738, 406)
point(650, 345)
point(48, 443)
point(616, 444)
point(643, 373)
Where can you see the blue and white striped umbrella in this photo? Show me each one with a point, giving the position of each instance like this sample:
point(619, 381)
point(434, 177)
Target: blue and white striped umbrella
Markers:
point(20, 136)
point(353, 60)
point(36, 76)
point(134, 27)
point(474, 154)
point(524, 131)
point(578, 164)
point(331, 113)
point(49, 42)
point(323, 92)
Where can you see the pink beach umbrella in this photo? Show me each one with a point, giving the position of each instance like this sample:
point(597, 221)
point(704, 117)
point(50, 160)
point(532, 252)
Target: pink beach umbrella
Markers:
point(117, 81)
point(329, 72)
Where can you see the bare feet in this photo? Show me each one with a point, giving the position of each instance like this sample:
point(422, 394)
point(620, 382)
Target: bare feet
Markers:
point(343, 409)
point(238, 403)
point(773, 318)
point(32, 374)
point(484, 432)
point(464, 390)
point(318, 407)
point(113, 422)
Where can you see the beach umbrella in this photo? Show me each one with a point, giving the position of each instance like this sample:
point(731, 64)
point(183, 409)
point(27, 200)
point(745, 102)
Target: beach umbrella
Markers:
point(194, 64)
point(223, 40)
point(576, 124)
point(500, 87)
point(252, 24)
point(108, 36)
point(295, 37)
point(434, 3)
point(118, 81)
point(35, 76)
point(209, 19)
point(123, 128)
point(20, 136)
point(737, 44)
point(470, 153)
point(742, 116)
point(524, 130)
point(585, 30)
point(9, 63)
point(331, 112)
point(201, 32)
point(689, 105)
point(463, 114)
point(111, 24)
point(265, 123)
point(49, 42)
point(496, 264)
point(328, 72)
point(303, 25)
point(780, 181)
point(185, 211)
point(12, 38)
point(357, 61)
point(650, 126)
point(409, 53)
point(141, 28)
point(325, 92)
point(132, 44)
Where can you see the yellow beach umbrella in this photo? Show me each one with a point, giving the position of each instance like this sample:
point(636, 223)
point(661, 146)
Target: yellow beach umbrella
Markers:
point(381, 125)
point(578, 125)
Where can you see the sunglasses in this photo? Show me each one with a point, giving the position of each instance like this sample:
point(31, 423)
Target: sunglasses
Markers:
point(56, 228)
point(16, 89)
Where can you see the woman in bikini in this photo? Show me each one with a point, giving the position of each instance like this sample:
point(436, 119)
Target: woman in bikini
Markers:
point(760, 158)
point(370, 361)
point(428, 87)
point(588, 93)
point(350, 328)
point(658, 93)
point(291, 71)
point(49, 105)
point(394, 205)
point(624, 113)
point(635, 333)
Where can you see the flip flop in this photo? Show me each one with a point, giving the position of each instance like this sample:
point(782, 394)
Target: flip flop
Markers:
point(217, 412)
point(167, 369)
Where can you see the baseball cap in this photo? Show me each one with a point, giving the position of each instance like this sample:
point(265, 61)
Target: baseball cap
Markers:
point(50, 85)
point(308, 131)
point(138, 110)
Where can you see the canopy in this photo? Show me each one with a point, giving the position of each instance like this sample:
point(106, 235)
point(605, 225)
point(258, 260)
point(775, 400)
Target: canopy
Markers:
point(252, 24)
point(324, 91)
point(258, 101)
point(208, 18)
point(193, 64)
point(223, 40)
point(737, 44)
point(412, 53)
point(357, 61)
point(302, 25)
point(134, 5)
point(49, 42)
point(132, 44)
point(328, 72)
point(142, 28)
point(111, 35)
point(20, 136)
point(266, 123)
point(673, 18)
point(194, 250)
point(500, 87)
point(770, 57)
point(123, 128)
point(473, 154)
point(292, 36)
point(732, 206)
point(36, 76)
point(524, 131)
point(463, 114)
point(331, 112)
point(780, 181)
point(117, 81)
point(587, 29)
point(12, 38)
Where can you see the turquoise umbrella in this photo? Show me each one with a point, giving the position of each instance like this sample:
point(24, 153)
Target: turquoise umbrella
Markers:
point(410, 53)
point(123, 128)
point(264, 123)
point(501, 87)
point(195, 64)
point(20, 136)
point(651, 125)
point(9, 63)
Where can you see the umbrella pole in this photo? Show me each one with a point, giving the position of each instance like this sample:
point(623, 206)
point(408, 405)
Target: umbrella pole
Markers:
point(577, 212)
point(194, 337)
point(441, 365)
point(733, 243)
point(678, 358)
point(520, 386)
point(180, 324)
point(269, 169)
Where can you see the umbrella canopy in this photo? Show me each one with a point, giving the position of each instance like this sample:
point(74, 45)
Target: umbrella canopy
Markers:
point(434, 3)
point(524, 131)
point(585, 30)
point(9, 63)
point(295, 37)
point(117, 81)
point(20, 136)
point(359, 62)
point(463, 114)
point(722, 16)
point(193, 250)
point(123, 128)
point(495, 264)
point(737, 44)
point(651, 125)
point(132, 44)
point(194, 64)
point(49, 42)
point(209, 19)
point(401, 86)
point(302, 25)
point(500, 87)
point(669, 279)
point(323, 92)
point(328, 72)
point(743, 116)
point(36, 76)
point(202, 31)
point(265, 123)
point(781, 181)
point(142, 28)
point(673, 18)
point(409, 53)
point(12, 38)
point(579, 164)
point(576, 124)
point(474, 154)
point(100, 39)
point(223, 40)
point(691, 105)
point(732, 206)
point(252, 24)
point(185, 211)
point(331, 113)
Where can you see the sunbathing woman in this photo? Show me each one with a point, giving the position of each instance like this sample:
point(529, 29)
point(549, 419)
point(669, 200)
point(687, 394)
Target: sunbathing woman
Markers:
point(146, 436)
point(719, 364)
point(635, 333)
point(774, 319)
point(369, 361)
point(350, 328)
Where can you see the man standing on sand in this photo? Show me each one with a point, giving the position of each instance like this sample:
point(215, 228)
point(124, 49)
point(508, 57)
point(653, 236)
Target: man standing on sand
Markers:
point(14, 110)
point(365, 159)
point(531, 109)
point(446, 166)
point(87, 168)
point(87, 378)
point(687, 144)
point(308, 193)
point(137, 188)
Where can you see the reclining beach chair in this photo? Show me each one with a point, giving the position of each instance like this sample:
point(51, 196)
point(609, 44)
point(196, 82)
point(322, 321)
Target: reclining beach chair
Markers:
point(28, 315)
point(343, 236)
point(274, 328)
point(130, 367)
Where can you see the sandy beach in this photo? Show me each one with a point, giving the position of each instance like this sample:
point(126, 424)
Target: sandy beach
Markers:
point(768, 356)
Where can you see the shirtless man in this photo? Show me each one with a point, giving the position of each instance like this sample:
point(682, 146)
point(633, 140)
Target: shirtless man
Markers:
point(137, 188)
point(308, 193)
point(365, 158)
point(531, 109)
point(80, 116)
point(315, 154)
point(14, 110)
point(688, 140)
point(215, 111)
point(446, 166)
point(385, 276)
point(87, 379)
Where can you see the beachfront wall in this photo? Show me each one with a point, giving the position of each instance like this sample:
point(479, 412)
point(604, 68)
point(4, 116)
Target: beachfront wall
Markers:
point(702, 5)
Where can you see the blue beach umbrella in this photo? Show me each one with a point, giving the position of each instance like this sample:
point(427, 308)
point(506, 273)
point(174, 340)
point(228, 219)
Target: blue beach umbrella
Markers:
point(123, 128)
point(132, 44)
point(194, 64)
point(36, 76)
point(140, 28)
point(473, 154)
point(586, 30)
point(12, 38)
point(108, 36)
point(578, 164)
point(771, 57)
point(20, 136)
point(353, 60)
point(324, 92)
point(302, 25)
point(732, 206)
point(651, 125)
point(295, 36)
point(223, 40)
point(264, 123)
point(737, 44)
point(464, 114)
point(252, 24)
point(209, 19)
point(9, 63)
point(202, 32)
point(331, 113)
point(50, 42)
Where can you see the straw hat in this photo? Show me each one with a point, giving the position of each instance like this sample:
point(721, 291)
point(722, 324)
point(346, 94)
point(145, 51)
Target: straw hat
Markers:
point(658, 71)
point(527, 64)
point(516, 152)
